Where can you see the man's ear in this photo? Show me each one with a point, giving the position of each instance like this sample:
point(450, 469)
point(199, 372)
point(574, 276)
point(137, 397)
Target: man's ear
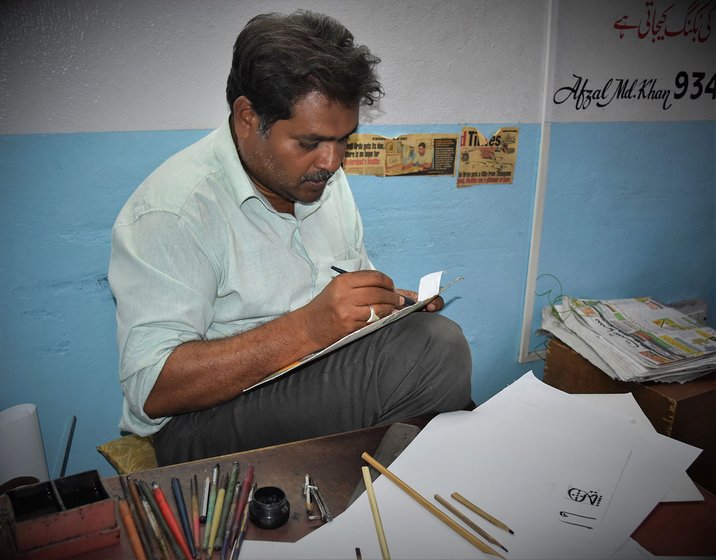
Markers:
point(246, 121)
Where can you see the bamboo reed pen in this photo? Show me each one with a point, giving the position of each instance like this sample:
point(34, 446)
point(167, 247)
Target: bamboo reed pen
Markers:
point(464, 533)
point(153, 549)
point(481, 512)
point(467, 521)
point(376, 514)
point(131, 529)
point(164, 531)
point(156, 530)
point(138, 521)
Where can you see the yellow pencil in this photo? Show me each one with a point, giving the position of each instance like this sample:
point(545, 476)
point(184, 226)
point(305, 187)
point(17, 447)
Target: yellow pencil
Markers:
point(210, 507)
point(216, 519)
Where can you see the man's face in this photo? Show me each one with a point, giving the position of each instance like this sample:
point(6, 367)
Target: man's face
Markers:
point(293, 161)
point(421, 150)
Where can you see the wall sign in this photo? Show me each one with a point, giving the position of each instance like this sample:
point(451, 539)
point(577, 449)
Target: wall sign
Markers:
point(657, 23)
point(686, 85)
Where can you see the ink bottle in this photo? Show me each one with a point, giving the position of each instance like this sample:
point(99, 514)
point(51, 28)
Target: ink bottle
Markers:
point(269, 508)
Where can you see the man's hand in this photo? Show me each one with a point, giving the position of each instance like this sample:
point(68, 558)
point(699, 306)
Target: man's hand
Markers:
point(435, 304)
point(345, 304)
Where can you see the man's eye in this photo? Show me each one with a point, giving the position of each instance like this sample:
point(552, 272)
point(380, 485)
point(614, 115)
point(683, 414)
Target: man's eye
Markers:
point(308, 146)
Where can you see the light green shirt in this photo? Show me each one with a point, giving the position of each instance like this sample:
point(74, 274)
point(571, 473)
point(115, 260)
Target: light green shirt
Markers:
point(198, 253)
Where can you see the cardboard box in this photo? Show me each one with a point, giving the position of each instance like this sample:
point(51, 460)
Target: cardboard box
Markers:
point(62, 518)
point(684, 411)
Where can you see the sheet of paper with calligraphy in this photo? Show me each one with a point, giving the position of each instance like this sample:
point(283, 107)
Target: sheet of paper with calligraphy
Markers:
point(572, 477)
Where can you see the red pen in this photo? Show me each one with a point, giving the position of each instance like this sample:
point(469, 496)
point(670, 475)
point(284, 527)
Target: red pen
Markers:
point(170, 519)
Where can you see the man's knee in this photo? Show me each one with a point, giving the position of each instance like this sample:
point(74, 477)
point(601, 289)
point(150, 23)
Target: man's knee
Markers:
point(455, 362)
point(445, 361)
point(446, 341)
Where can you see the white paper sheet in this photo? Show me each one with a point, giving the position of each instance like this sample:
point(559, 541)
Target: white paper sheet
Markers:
point(520, 456)
point(683, 490)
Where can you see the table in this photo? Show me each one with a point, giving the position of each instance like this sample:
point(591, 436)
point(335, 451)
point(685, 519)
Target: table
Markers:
point(334, 463)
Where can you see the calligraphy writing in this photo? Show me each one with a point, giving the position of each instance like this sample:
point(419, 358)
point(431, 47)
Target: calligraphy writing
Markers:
point(696, 23)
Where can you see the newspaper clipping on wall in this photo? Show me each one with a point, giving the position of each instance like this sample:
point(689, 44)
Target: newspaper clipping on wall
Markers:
point(486, 161)
point(409, 154)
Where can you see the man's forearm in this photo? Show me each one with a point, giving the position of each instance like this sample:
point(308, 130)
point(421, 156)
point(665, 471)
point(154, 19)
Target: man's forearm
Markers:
point(202, 374)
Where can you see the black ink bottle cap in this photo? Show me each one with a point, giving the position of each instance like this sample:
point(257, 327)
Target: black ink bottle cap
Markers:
point(269, 508)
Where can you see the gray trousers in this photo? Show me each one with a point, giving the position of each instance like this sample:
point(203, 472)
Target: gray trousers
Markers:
point(416, 366)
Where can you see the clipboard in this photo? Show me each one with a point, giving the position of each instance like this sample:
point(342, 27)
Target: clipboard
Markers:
point(429, 290)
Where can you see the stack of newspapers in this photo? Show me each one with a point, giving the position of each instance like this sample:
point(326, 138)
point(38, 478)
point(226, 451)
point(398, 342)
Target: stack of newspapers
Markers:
point(636, 339)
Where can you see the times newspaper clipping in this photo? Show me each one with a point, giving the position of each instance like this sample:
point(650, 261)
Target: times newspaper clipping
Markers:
point(410, 154)
point(486, 161)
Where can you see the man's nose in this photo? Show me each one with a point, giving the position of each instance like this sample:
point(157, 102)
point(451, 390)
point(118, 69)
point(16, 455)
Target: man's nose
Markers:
point(330, 156)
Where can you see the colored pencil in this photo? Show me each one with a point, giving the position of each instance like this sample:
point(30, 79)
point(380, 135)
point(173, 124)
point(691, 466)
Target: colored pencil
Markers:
point(196, 524)
point(183, 516)
point(227, 530)
point(239, 513)
point(244, 526)
point(210, 507)
point(171, 520)
point(218, 508)
point(228, 498)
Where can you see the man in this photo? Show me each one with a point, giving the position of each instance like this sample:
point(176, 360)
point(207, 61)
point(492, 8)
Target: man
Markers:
point(423, 159)
point(221, 268)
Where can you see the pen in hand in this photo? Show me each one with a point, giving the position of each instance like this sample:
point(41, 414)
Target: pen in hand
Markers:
point(408, 300)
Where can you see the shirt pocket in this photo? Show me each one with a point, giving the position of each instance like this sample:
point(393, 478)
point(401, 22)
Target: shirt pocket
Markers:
point(349, 260)
point(348, 265)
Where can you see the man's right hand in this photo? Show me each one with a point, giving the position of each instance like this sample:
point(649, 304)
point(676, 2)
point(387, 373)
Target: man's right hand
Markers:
point(345, 304)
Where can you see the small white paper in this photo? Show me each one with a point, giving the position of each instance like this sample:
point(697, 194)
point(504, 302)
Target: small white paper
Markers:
point(429, 285)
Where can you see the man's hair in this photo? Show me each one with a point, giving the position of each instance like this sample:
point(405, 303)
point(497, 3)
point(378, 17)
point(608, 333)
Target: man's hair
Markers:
point(278, 59)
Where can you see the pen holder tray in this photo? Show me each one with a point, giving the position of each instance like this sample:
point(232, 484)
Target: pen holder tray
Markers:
point(61, 518)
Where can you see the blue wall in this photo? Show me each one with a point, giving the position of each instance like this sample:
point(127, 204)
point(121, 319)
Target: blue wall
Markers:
point(630, 210)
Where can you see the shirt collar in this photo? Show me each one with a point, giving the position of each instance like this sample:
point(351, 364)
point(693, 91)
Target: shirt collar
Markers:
point(239, 181)
point(241, 184)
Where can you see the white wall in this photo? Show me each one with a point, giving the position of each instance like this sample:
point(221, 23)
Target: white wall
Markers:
point(93, 65)
point(657, 40)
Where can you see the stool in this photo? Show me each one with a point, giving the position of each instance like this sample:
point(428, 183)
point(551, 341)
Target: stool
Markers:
point(129, 454)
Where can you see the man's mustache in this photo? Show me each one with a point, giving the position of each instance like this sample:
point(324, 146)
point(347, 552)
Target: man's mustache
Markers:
point(318, 177)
